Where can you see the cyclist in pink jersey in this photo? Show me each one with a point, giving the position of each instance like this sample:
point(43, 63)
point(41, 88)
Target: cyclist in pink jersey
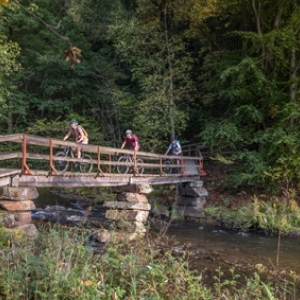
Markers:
point(80, 134)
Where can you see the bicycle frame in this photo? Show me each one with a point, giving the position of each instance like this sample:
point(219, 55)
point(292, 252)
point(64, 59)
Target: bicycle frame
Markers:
point(67, 150)
point(133, 160)
point(62, 165)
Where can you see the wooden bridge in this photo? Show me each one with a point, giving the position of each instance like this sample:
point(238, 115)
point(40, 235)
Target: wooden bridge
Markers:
point(30, 161)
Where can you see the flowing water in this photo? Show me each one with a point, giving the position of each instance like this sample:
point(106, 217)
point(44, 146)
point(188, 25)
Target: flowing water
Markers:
point(211, 245)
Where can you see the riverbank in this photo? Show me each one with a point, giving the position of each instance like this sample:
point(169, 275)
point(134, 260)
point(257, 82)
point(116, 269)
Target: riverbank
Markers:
point(249, 209)
point(230, 258)
point(60, 264)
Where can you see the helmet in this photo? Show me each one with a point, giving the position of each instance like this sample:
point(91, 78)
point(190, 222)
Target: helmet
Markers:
point(128, 132)
point(74, 121)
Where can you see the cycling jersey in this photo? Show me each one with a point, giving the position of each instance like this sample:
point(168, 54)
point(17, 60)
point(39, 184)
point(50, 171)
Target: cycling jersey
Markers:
point(176, 148)
point(79, 132)
point(132, 141)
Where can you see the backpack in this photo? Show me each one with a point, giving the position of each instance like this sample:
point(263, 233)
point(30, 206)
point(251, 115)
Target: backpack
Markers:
point(85, 134)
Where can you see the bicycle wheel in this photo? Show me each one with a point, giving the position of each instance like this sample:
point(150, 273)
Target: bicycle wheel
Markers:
point(61, 166)
point(139, 168)
point(122, 169)
point(167, 167)
point(86, 167)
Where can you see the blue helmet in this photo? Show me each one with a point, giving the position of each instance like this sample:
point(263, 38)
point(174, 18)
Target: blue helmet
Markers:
point(74, 121)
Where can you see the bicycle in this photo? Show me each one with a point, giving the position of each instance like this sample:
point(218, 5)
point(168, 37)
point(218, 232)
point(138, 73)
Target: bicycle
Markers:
point(127, 158)
point(62, 166)
point(167, 166)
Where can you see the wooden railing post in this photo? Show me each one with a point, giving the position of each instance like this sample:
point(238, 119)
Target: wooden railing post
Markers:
point(25, 168)
point(51, 166)
point(161, 166)
point(100, 172)
point(135, 170)
point(182, 166)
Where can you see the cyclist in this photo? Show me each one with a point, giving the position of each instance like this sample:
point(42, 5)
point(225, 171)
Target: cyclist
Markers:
point(176, 149)
point(132, 140)
point(80, 134)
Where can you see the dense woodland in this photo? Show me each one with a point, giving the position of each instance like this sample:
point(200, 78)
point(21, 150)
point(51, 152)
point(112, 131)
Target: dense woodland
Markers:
point(225, 73)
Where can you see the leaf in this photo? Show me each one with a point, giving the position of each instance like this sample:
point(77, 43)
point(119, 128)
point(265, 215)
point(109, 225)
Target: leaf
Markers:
point(4, 2)
point(73, 55)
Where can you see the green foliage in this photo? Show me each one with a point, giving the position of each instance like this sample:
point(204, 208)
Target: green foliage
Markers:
point(225, 73)
point(59, 265)
point(270, 217)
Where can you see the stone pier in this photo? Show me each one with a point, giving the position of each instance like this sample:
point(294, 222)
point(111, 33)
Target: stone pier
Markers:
point(190, 201)
point(15, 209)
point(129, 212)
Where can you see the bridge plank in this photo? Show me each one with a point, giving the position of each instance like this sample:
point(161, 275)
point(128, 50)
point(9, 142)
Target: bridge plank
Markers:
point(4, 155)
point(11, 138)
point(9, 172)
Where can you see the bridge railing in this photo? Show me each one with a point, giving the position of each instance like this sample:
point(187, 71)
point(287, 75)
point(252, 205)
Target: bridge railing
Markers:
point(36, 156)
point(197, 149)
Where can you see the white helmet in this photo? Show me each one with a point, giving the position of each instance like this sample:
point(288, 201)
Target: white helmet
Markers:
point(128, 131)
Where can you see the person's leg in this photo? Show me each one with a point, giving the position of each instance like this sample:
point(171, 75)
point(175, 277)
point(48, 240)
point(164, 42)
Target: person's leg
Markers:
point(78, 152)
point(80, 148)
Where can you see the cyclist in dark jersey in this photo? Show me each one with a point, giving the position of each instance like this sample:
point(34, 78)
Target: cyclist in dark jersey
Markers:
point(175, 147)
point(132, 140)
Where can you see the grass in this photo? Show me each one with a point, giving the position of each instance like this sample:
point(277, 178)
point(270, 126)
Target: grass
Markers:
point(270, 216)
point(58, 264)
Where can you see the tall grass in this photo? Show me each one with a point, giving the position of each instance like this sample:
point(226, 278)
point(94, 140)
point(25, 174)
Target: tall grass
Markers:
point(58, 264)
point(270, 216)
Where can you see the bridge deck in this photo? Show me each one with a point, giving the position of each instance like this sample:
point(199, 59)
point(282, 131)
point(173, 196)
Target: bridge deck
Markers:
point(85, 181)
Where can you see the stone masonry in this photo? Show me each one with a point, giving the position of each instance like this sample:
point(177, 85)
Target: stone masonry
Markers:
point(129, 212)
point(190, 201)
point(15, 209)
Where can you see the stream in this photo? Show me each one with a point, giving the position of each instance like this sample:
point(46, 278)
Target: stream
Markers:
point(211, 245)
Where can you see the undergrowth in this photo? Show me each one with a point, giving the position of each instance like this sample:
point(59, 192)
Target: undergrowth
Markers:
point(270, 216)
point(58, 264)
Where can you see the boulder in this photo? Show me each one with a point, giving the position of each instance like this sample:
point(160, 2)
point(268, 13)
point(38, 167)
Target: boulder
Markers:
point(190, 201)
point(192, 192)
point(11, 220)
point(127, 205)
point(131, 215)
point(132, 197)
point(132, 188)
point(18, 193)
point(17, 205)
point(196, 184)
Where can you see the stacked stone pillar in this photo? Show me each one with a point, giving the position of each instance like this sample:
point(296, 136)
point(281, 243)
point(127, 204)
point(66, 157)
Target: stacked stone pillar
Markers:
point(129, 212)
point(190, 201)
point(15, 209)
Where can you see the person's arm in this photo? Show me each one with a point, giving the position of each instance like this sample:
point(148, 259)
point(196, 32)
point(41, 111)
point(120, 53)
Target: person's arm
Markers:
point(178, 149)
point(136, 147)
point(168, 150)
point(136, 143)
point(123, 145)
point(67, 135)
point(81, 134)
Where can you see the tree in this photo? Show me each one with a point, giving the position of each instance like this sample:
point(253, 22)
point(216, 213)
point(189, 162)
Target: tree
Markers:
point(148, 40)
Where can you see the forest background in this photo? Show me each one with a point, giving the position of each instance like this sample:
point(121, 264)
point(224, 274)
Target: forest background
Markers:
point(224, 73)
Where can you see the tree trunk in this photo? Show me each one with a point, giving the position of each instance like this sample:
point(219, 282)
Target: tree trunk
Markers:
point(294, 71)
point(171, 96)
